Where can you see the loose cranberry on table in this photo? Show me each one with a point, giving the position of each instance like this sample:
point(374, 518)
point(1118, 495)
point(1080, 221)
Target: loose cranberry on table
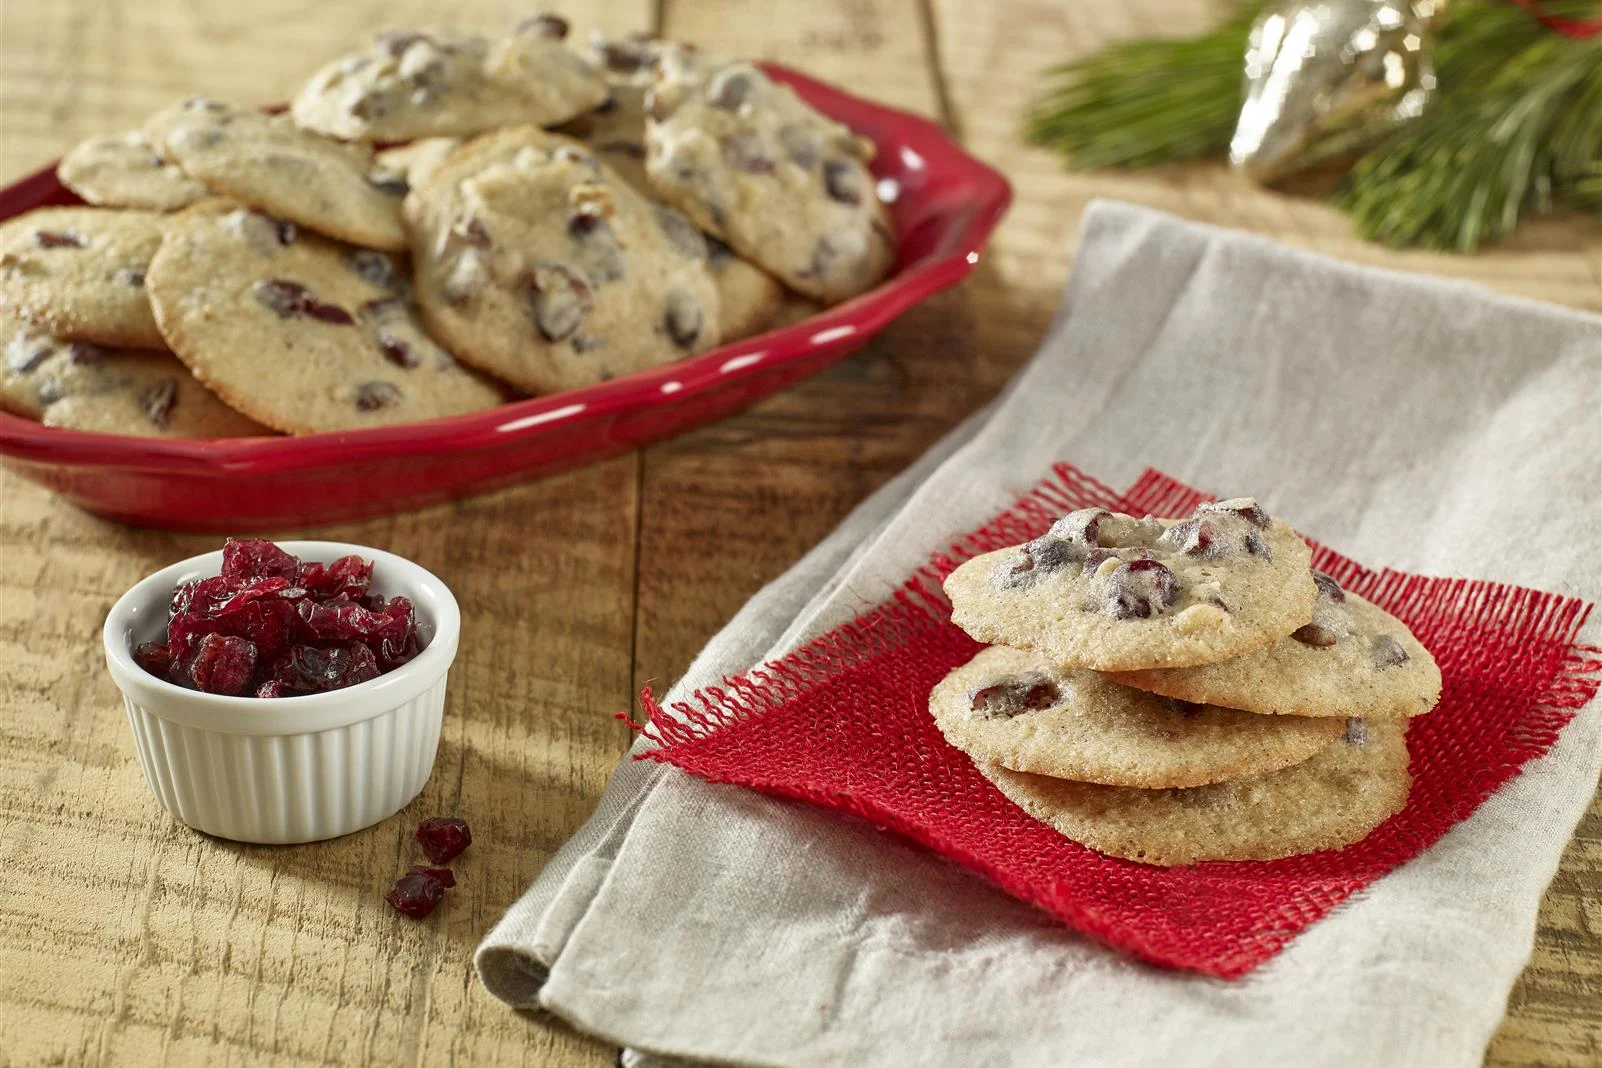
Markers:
point(272, 625)
point(443, 837)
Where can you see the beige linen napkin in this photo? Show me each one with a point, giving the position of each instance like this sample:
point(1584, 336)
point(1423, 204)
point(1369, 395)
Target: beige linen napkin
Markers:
point(1406, 422)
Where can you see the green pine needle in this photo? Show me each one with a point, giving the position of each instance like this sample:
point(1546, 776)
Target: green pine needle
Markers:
point(1517, 127)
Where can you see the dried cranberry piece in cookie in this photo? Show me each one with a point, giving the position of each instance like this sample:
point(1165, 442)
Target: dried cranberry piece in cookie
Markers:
point(416, 895)
point(1386, 651)
point(1328, 587)
point(1139, 588)
point(841, 183)
point(443, 838)
point(59, 239)
point(157, 401)
point(1012, 697)
point(682, 318)
point(1081, 527)
point(681, 233)
point(560, 300)
point(1316, 635)
point(744, 150)
point(246, 559)
point(223, 664)
point(1246, 508)
point(730, 89)
point(544, 24)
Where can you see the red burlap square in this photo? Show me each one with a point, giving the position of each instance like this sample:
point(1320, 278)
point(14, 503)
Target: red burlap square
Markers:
point(844, 723)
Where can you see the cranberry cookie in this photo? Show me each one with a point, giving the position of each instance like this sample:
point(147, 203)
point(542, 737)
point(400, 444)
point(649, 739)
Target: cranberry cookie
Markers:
point(79, 273)
point(419, 159)
point(300, 332)
point(749, 298)
point(265, 162)
point(1009, 707)
point(752, 164)
point(1353, 659)
point(1332, 800)
point(112, 391)
point(1111, 592)
point(429, 83)
point(125, 171)
point(537, 263)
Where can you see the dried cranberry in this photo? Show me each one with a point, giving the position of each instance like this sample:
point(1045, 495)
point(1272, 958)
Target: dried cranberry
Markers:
point(1328, 587)
point(444, 876)
point(328, 313)
point(223, 664)
point(1386, 652)
point(583, 222)
point(730, 90)
point(622, 57)
point(544, 25)
point(374, 267)
point(308, 669)
point(270, 688)
point(1139, 587)
point(1316, 635)
point(371, 396)
point(346, 577)
point(157, 401)
point(560, 300)
point(682, 317)
point(154, 657)
point(1011, 697)
point(416, 895)
point(840, 181)
point(286, 231)
point(744, 150)
point(443, 837)
point(1082, 527)
point(1245, 507)
point(397, 351)
point(59, 239)
point(286, 298)
point(681, 233)
point(390, 184)
point(247, 559)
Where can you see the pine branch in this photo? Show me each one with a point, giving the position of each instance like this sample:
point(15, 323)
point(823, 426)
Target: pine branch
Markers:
point(1517, 127)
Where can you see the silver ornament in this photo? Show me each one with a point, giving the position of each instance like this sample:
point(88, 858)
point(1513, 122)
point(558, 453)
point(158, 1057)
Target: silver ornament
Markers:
point(1325, 77)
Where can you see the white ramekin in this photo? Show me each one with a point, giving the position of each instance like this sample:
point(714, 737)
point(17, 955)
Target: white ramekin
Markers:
point(287, 769)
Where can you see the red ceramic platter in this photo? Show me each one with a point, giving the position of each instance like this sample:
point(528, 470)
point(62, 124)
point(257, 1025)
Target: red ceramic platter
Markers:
point(945, 205)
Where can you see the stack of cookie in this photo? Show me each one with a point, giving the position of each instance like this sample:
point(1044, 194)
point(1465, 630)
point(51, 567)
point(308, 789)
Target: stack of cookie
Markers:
point(1172, 691)
point(241, 273)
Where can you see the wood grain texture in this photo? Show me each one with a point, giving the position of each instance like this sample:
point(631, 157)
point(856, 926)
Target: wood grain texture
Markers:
point(142, 942)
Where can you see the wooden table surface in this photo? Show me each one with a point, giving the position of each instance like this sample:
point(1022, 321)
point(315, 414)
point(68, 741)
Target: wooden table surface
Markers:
point(125, 938)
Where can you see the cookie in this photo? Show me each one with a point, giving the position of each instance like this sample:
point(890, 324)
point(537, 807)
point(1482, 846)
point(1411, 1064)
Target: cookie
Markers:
point(300, 332)
point(265, 162)
point(1332, 800)
point(80, 386)
point(1009, 707)
point(419, 159)
point(432, 83)
point(752, 164)
point(749, 298)
point(538, 264)
point(125, 171)
point(1111, 592)
point(1353, 659)
point(79, 273)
